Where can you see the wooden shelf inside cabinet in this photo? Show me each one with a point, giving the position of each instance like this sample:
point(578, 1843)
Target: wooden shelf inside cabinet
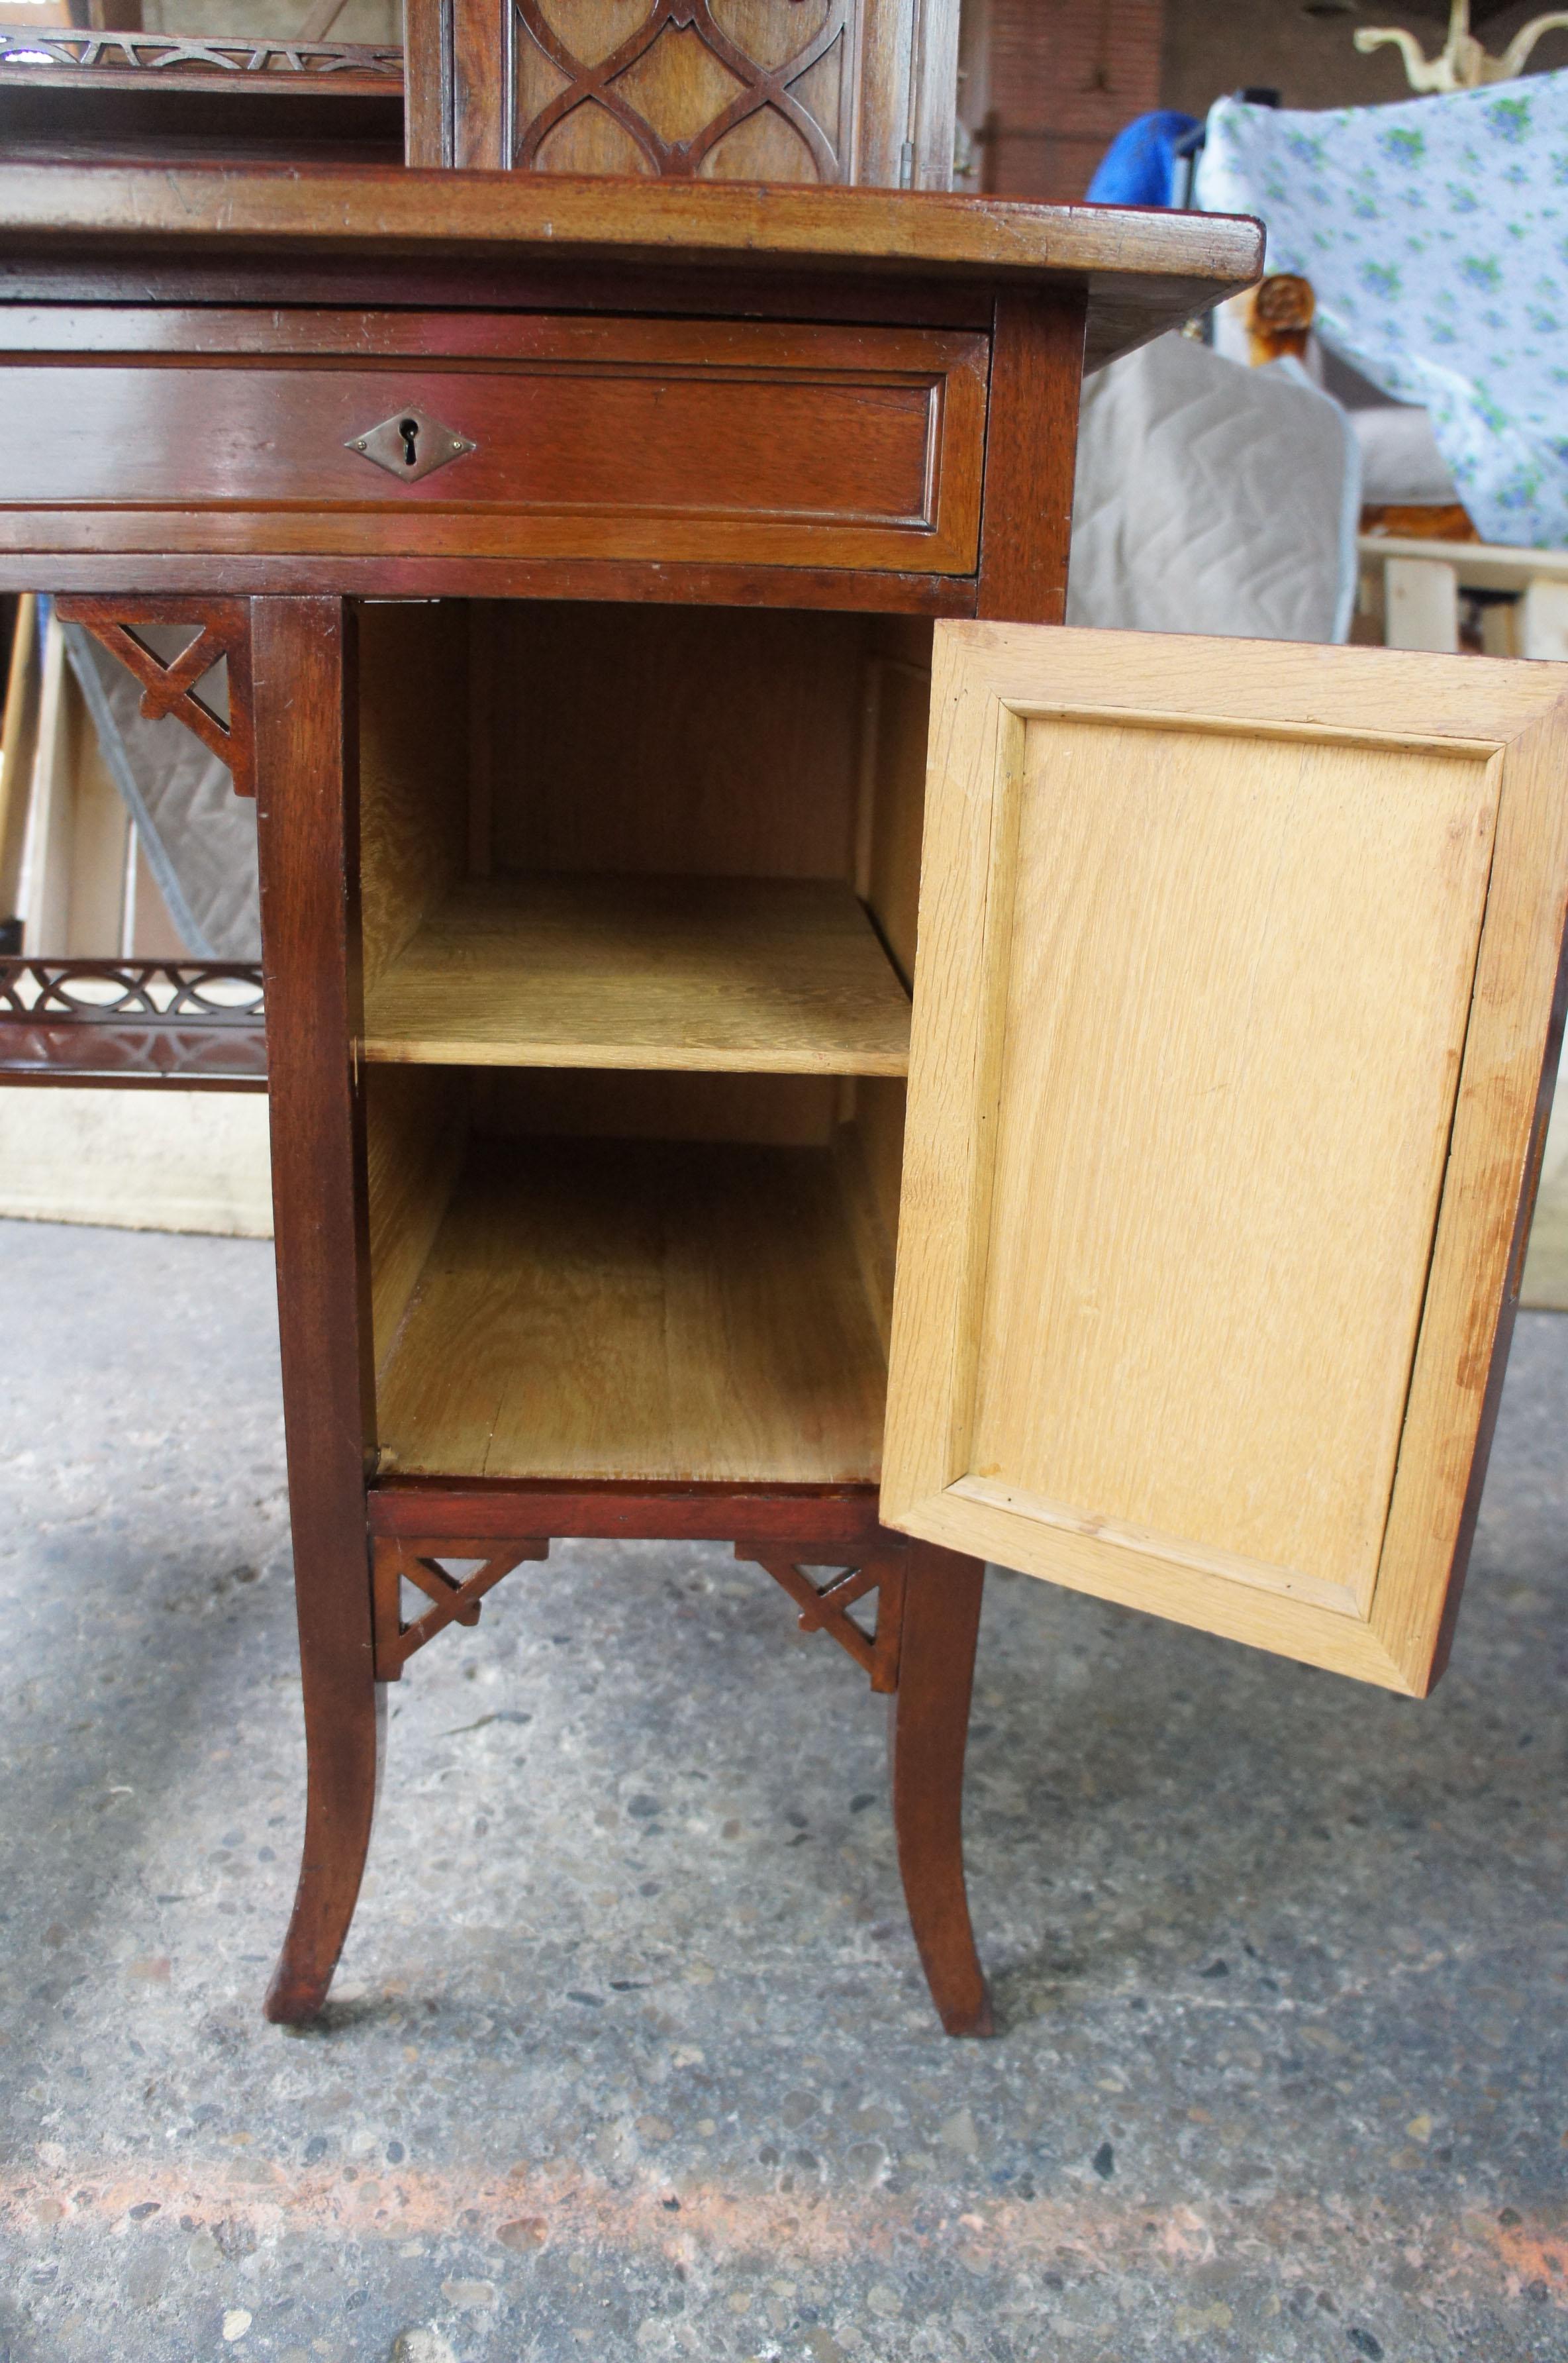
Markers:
point(653, 1311)
point(782, 976)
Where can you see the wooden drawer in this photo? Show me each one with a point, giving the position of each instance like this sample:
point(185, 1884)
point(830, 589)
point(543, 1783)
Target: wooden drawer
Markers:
point(232, 431)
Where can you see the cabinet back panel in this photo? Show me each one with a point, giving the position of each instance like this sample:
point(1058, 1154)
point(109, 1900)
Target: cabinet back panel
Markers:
point(786, 1111)
point(716, 741)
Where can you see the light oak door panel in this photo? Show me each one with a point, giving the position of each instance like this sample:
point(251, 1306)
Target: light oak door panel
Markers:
point(1233, 1007)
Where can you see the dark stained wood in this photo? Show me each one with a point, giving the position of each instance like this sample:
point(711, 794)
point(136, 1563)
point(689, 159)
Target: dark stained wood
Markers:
point(1154, 269)
point(32, 567)
point(189, 351)
point(427, 84)
point(73, 272)
point(174, 689)
point(928, 1731)
point(830, 1517)
point(481, 40)
point(308, 848)
point(824, 1607)
point(1031, 443)
point(690, 441)
point(455, 1600)
point(176, 1025)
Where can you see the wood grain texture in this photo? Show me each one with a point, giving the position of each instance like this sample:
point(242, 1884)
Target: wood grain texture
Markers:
point(647, 1103)
point(680, 441)
point(719, 742)
point(758, 976)
point(1149, 269)
point(893, 798)
point(479, 77)
point(753, 90)
point(428, 84)
point(1199, 971)
point(829, 1516)
point(412, 771)
point(36, 548)
point(1031, 435)
point(415, 1134)
point(928, 1734)
point(304, 716)
point(638, 1312)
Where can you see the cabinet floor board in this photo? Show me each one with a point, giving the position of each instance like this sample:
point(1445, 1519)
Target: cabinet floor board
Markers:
point(655, 1311)
point(782, 976)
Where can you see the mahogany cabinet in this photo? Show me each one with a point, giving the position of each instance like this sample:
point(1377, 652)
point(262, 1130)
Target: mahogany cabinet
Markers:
point(642, 609)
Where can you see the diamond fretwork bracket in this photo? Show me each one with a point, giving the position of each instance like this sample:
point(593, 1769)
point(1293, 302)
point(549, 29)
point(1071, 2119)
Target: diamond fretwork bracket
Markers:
point(824, 1608)
point(454, 1602)
point(171, 688)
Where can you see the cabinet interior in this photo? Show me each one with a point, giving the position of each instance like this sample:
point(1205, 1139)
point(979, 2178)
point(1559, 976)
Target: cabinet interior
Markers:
point(637, 908)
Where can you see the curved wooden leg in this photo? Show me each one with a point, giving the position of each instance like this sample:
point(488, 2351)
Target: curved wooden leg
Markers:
point(344, 1737)
point(305, 704)
point(928, 1730)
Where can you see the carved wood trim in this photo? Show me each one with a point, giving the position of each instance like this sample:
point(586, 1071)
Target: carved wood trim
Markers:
point(454, 1601)
point(189, 1025)
point(176, 55)
point(171, 688)
point(824, 1608)
point(761, 86)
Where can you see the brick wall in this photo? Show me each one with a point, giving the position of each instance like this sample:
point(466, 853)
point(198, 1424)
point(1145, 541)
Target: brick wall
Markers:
point(1061, 78)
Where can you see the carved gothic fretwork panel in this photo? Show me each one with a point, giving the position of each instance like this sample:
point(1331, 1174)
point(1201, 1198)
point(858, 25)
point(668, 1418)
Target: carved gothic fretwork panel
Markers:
point(744, 90)
point(221, 634)
point(186, 1024)
point(824, 1608)
point(455, 1600)
point(176, 56)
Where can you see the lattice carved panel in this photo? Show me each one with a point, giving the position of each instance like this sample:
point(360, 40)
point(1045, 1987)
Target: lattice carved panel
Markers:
point(189, 1024)
point(220, 632)
point(824, 1608)
point(177, 55)
point(682, 89)
point(455, 1600)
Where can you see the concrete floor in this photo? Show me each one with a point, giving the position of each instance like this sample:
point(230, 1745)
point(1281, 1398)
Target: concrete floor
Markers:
point(630, 2057)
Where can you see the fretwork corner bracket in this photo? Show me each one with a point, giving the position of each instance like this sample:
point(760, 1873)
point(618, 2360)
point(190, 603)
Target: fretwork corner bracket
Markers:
point(824, 1608)
point(223, 633)
point(454, 1601)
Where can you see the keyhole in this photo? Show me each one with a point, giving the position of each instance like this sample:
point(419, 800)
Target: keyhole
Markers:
point(409, 430)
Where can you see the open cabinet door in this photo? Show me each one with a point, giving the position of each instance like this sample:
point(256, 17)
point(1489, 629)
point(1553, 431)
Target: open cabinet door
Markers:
point(1234, 1024)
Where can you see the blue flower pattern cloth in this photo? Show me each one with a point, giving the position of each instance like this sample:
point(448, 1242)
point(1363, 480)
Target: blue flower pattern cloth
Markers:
point(1435, 234)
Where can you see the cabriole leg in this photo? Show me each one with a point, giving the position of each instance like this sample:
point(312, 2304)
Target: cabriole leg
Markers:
point(307, 825)
point(928, 1730)
point(345, 1736)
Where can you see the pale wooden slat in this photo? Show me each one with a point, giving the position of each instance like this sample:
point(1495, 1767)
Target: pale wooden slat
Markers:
point(655, 1312)
point(770, 976)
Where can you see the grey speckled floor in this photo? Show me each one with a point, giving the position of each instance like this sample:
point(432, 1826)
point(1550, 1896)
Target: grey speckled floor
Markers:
point(630, 2057)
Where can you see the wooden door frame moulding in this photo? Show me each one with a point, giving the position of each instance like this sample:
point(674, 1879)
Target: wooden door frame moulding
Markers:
point(988, 685)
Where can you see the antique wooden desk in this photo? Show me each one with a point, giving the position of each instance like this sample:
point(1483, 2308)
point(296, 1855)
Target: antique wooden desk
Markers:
point(588, 734)
point(576, 549)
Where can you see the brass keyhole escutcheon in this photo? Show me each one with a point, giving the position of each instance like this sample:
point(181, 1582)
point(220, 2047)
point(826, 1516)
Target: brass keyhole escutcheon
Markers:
point(411, 445)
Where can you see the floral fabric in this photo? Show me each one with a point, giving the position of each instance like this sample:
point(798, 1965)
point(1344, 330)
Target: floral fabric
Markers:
point(1435, 234)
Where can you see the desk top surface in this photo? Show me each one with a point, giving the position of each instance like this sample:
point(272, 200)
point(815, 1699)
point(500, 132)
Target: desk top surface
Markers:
point(1143, 270)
